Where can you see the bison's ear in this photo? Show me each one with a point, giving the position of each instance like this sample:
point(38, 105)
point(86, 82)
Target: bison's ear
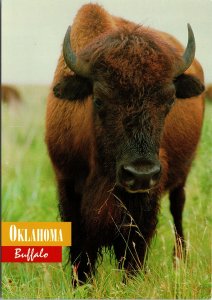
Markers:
point(73, 88)
point(188, 86)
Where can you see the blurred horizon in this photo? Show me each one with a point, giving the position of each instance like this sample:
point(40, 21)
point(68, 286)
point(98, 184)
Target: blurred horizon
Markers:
point(33, 31)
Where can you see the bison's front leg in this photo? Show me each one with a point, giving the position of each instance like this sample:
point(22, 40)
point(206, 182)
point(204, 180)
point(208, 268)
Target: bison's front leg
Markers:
point(135, 234)
point(130, 250)
point(83, 258)
point(83, 253)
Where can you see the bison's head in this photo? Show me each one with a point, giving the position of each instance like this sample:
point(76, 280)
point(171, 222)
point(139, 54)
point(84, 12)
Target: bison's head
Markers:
point(133, 78)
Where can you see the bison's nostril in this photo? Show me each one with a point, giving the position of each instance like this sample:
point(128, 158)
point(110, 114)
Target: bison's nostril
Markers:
point(126, 177)
point(127, 173)
point(156, 173)
point(155, 177)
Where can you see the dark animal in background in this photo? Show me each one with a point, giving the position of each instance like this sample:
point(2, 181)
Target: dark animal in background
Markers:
point(10, 95)
point(208, 92)
point(125, 132)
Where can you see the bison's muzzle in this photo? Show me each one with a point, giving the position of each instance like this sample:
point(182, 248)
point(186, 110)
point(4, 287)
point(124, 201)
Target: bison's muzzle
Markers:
point(139, 176)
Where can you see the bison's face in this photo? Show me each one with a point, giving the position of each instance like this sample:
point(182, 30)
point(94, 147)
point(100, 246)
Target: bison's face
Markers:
point(128, 126)
point(133, 81)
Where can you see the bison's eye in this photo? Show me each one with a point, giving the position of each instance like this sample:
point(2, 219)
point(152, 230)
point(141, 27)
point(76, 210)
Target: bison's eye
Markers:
point(98, 103)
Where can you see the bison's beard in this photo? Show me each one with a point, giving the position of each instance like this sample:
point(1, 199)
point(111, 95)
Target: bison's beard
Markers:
point(109, 209)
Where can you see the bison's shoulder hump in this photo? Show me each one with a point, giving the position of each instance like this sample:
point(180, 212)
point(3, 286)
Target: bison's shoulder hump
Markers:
point(91, 21)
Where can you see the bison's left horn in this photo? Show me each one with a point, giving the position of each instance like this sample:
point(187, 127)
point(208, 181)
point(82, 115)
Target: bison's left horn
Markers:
point(75, 63)
point(189, 53)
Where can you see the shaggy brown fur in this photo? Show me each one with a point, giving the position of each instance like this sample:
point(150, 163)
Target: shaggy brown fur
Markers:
point(127, 112)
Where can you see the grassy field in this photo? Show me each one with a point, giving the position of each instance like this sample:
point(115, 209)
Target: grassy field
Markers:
point(29, 194)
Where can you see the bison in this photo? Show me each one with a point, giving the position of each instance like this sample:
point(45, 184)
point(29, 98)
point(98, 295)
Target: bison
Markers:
point(123, 122)
point(208, 92)
point(10, 95)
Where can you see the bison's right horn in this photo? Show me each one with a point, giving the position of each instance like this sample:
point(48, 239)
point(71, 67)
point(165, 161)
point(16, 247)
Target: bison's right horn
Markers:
point(79, 66)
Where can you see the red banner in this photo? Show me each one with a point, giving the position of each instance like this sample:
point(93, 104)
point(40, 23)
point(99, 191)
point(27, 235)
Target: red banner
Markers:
point(36, 254)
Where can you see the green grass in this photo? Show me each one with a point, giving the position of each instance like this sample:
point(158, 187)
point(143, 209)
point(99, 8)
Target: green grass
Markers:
point(29, 194)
